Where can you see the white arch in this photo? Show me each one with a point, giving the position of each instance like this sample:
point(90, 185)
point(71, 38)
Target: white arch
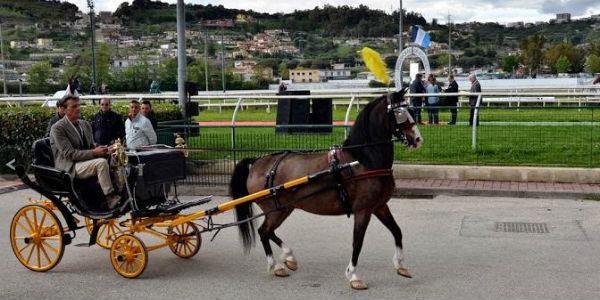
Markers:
point(410, 52)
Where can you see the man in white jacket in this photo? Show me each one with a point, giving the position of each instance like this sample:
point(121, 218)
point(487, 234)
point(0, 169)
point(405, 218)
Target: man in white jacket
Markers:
point(138, 129)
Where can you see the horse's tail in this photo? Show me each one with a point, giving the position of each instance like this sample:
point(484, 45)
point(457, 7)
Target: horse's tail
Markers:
point(237, 189)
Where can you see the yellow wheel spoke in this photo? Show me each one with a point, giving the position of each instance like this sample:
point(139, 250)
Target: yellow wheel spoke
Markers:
point(54, 237)
point(25, 247)
point(46, 255)
point(32, 228)
point(50, 247)
point(23, 227)
point(42, 220)
point(35, 222)
point(30, 253)
point(39, 259)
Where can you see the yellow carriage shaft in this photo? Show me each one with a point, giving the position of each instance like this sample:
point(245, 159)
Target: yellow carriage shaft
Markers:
point(256, 196)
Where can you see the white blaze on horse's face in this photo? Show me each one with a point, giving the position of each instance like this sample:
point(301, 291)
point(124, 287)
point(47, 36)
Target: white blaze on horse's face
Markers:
point(406, 124)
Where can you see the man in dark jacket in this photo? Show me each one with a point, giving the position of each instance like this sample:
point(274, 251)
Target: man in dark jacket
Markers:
point(452, 101)
point(60, 113)
point(417, 87)
point(475, 88)
point(107, 125)
point(148, 113)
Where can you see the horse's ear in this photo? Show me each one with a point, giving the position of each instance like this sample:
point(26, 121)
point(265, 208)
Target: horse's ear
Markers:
point(398, 96)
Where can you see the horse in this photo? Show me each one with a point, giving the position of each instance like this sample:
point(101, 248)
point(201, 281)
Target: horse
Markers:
point(370, 142)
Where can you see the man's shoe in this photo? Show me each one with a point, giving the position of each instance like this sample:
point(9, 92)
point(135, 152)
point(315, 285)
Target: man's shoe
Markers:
point(112, 200)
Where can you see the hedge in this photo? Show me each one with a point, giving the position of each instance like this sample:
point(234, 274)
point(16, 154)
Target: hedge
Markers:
point(21, 126)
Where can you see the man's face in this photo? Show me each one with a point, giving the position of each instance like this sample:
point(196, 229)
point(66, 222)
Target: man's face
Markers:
point(134, 109)
point(471, 78)
point(73, 110)
point(105, 105)
point(146, 109)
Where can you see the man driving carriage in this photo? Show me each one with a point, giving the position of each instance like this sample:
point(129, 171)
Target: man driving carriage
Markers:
point(71, 140)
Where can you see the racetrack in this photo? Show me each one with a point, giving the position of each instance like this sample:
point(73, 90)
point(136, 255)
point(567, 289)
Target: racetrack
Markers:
point(451, 247)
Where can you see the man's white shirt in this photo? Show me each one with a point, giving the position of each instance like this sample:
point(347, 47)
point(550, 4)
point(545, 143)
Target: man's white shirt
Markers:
point(139, 132)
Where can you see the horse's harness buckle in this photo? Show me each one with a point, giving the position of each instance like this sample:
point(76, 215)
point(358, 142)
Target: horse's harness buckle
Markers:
point(333, 157)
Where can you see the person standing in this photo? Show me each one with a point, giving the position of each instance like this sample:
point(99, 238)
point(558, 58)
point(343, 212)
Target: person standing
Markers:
point(60, 113)
point(433, 112)
point(475, 88)
point(107, 125)
point(138, 129)
point(71, 141)
point(149, 113)
point(416, 87)
point(452, 100)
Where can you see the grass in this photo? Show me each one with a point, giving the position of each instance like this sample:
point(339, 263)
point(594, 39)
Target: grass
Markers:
point(504, 143)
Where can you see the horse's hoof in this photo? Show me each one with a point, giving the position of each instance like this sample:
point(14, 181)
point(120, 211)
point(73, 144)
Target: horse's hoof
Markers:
point(403, 272)
point(358, 285)
point(281, 273)
point(292, 265)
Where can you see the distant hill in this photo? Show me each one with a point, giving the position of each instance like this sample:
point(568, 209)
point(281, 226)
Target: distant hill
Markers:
point(36, 11)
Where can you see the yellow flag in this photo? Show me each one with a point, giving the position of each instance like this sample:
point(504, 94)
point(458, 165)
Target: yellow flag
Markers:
point(375, 64)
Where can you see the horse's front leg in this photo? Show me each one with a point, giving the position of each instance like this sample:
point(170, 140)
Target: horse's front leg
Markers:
point(287, 255)
point(361, 221)
point(384, 215)
point(272, 266)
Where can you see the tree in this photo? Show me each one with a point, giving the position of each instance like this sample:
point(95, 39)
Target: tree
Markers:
point(562, 65)
point(532, 50)
point(568, 50)
point(38, 76)
point(592, 63)
point(510, 62)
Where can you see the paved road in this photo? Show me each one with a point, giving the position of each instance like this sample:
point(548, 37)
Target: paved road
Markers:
point(451, 246)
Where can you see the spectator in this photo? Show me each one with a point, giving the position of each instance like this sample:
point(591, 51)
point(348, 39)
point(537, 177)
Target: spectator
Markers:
point(417, 87)
point(597, 81)
point(74, 152)
point(138, 129)
point(475, 88)
point(452, 100)
point(107, 125)
point(60, 113)
point(148, 113)
point(433, 112)
point(282, 88)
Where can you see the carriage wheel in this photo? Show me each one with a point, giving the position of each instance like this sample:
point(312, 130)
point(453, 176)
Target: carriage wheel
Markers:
point(36, 237)
point(185, 240)
point(129, 256)
point(108, 232)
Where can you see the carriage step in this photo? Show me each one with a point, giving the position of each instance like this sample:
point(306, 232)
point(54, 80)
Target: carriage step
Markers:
point(181, 206)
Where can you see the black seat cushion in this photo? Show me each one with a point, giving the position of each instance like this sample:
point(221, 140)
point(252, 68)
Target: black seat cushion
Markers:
point(42, 153)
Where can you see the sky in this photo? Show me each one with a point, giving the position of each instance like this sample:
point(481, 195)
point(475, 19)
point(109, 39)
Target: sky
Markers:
point(501, 11)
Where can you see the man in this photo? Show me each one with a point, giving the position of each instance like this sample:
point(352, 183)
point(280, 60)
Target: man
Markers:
point(149, 114)
point(597, 81)
point(107, 125)
point(452, 101)
point(417, 87)
point(475, 88)
point(60, 113)
point(138, 129)
point(73, 150)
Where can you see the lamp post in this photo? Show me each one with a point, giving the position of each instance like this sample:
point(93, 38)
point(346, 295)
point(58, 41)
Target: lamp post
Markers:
point(3, 62)
point(400, 41)
point(92, 30)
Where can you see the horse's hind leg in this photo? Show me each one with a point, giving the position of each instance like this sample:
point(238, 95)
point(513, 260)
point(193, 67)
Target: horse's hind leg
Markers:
point(361, 221)
point(287, 255)
point(266, 233)
point(384, 215)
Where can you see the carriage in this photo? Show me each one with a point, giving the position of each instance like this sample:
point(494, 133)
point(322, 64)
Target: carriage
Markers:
point(38, 237)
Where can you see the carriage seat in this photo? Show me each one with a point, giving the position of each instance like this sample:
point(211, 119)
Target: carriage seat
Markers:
point(59, 182)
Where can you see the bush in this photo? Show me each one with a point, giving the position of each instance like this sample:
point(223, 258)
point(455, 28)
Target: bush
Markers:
point(21, 126)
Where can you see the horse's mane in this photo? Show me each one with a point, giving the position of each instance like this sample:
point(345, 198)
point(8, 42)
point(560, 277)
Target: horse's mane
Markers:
point(365, 136)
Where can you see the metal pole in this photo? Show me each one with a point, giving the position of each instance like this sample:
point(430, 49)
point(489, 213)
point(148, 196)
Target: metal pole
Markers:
point(222, 61)
point(206, 60)
point(3, 62)
point(181, 57)
point(400, 43)
point(474, 128)
point(449, 46)
point(93, 48)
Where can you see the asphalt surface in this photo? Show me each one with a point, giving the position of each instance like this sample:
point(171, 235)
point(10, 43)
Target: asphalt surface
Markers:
point(452, 248)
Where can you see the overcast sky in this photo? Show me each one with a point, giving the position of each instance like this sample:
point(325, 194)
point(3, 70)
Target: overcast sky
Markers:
point(501, 11)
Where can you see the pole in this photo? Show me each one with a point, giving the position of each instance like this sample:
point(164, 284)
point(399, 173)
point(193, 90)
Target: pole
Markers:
point(3, 62)
point(93, 50)
point(222, 60)
point(449, 46)
point(206, 60)
point(400, 42)
point(181, 57)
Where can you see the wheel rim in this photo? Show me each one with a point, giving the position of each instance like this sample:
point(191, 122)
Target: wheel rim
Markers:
point(36, 237)
point(185, 240)
point(128, 256)
point(108, 232)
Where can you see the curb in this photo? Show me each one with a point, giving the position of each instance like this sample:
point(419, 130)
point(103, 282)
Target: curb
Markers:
point(429, 192)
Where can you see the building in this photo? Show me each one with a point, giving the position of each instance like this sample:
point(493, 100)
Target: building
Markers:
point(337, 72)
point(43, 43)
point(305, 75)
point(563, 17)
point(19, 44)
point(514, 25)
point(135, 60)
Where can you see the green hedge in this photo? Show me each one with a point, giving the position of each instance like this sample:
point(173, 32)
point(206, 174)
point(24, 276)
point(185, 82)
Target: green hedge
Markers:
point(21, 126)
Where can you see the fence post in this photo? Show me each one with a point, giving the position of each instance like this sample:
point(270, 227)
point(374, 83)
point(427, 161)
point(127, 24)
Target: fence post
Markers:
point(474, 126)
point(235, 111)
point(348, 116)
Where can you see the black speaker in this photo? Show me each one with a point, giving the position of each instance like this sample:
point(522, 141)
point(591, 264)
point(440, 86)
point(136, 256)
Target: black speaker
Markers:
point(191, 109)
point(292, 112)
point(191, 88)
point(322, 114)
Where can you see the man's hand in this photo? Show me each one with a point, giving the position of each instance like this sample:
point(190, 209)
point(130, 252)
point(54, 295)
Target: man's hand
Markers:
point(100, 151)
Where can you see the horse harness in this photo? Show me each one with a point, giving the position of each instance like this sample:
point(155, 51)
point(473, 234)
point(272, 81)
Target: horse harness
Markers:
point(333, 157)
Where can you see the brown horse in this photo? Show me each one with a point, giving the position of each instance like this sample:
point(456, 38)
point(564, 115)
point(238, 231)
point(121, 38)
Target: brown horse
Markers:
point(368, 190)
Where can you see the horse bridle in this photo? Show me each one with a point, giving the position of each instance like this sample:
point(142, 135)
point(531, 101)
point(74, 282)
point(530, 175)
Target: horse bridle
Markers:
point(399, 114)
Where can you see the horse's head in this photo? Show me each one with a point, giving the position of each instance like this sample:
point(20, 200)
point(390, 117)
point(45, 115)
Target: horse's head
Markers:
point(403, 125)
